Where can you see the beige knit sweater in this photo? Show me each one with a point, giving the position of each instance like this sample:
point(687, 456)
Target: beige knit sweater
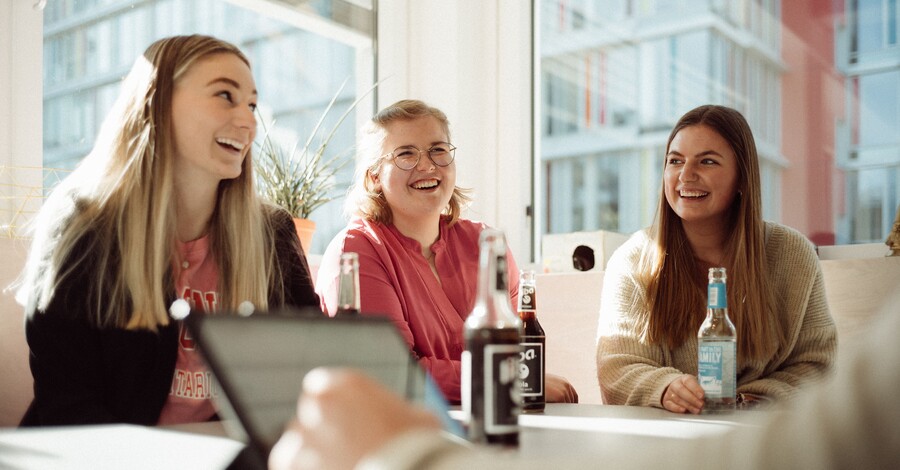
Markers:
point(633, 372)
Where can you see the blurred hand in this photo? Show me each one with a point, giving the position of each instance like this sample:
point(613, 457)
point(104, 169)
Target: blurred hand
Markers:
point(559, 390)
point(683, 395)
point(342, 416)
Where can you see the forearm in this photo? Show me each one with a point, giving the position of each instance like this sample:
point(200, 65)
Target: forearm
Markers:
point(420, 449)
point(811, 361)
point(629, 378)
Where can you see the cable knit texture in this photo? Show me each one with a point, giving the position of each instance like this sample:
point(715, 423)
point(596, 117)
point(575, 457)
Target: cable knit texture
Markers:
point(633, 372)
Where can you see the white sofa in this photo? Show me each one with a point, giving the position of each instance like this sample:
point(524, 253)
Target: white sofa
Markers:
point(568, 307)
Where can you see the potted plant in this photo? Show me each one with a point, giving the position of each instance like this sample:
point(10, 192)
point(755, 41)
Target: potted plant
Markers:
point(302, 179)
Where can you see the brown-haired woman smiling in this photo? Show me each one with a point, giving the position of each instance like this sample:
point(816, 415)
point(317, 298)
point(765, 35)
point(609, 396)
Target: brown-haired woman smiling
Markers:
point(654, 288)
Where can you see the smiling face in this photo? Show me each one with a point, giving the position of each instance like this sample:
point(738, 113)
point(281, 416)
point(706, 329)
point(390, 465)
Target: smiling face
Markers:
point(701, 177)
point(419, 195)
point(213, 119)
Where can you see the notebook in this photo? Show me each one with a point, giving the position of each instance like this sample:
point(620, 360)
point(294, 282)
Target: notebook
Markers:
point(259, 363)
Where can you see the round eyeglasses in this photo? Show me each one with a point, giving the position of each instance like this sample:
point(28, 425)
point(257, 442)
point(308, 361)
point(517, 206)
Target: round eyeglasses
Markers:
point(407, 157)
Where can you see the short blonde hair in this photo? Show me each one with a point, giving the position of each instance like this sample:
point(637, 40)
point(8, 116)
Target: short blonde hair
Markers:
point(363, 198)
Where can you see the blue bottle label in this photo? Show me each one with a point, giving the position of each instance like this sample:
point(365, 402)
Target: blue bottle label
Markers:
point(715, 295)
point(716, 368)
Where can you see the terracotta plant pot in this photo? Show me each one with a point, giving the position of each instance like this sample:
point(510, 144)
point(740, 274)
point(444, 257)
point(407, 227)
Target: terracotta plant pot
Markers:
point(305, 229)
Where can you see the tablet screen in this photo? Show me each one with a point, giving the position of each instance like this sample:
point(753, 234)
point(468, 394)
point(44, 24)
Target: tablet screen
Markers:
point(260, 361)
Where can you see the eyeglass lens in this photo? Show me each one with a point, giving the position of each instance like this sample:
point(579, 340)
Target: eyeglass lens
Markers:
point(406, 158)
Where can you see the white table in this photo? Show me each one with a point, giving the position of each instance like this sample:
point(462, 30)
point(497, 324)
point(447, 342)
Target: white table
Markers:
point(201, 446)
point(584, 434)
point(587, 433)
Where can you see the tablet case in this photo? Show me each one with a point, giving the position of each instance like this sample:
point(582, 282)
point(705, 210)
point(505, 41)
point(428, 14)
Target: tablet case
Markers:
point(259, 363)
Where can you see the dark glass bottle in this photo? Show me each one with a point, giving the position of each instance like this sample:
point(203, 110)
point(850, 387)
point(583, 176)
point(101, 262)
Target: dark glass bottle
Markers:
point(717, 349)
point(348, 285)
point(490, 362)
point(532, 363)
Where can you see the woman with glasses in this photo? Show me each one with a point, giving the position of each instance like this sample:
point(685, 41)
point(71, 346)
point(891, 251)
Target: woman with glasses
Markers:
point(418, 260)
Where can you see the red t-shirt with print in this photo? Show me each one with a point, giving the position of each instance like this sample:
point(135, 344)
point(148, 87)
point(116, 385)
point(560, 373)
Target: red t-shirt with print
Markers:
point(196, 278)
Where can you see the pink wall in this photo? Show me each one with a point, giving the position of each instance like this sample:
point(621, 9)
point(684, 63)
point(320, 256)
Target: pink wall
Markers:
point(812, 103)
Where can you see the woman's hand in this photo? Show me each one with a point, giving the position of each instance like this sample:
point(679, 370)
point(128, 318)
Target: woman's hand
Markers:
point(342, 416)
point(559, 390)
point(683, 395)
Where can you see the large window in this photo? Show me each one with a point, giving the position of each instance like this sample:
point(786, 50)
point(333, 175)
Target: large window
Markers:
point(300, 54)
point(819, 83)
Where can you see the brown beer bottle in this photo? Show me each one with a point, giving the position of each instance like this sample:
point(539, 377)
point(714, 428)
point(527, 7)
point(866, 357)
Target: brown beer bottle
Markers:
point(348, 285)
point(532, 362)
point(490, 362)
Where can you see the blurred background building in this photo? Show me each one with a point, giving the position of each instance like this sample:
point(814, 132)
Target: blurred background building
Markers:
point(819, 83)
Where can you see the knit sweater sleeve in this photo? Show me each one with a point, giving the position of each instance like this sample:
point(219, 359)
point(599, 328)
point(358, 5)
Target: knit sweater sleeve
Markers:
point(631, 371)
point(810, 346)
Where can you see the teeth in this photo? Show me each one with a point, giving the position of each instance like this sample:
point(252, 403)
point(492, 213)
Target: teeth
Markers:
point(233, 143)
point(692, 193)
point(425, 184)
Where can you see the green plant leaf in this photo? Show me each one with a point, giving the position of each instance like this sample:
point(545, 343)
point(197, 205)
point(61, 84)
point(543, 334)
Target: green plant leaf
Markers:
point(301, 181)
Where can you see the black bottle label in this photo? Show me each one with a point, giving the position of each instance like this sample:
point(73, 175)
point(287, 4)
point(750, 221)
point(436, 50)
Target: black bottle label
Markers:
point(501, 392)
point(527, 298)
point(531, 367)
point(490, 388)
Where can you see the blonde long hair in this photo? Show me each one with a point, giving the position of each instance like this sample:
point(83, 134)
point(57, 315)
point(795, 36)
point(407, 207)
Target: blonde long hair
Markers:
point(668, 268)
point(363, 199)
point(118, 209)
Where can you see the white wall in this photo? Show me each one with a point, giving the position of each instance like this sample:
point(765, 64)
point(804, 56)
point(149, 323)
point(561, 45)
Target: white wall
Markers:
point(471, 59)
point(21, 53)
point(21, 102)
point(20, 145)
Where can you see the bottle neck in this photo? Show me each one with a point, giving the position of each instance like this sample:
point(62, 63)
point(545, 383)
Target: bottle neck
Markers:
point(492, 308)
point(348, 291)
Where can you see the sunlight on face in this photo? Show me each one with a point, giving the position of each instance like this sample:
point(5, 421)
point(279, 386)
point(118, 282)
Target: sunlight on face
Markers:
point(213, 118)
point(420, 194)
point(701, 177)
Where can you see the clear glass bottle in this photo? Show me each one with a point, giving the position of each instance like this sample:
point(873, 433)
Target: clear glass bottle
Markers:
point(490, 362)
point(532, 362)
point(717, 348)
point(348, 285)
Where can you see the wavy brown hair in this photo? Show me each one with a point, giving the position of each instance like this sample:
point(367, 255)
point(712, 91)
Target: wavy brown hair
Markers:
point(120, 200)
point(677, 303)
point(363, 199)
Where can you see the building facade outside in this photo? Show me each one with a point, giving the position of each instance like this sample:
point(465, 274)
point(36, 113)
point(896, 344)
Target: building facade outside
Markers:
point(616, 75)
